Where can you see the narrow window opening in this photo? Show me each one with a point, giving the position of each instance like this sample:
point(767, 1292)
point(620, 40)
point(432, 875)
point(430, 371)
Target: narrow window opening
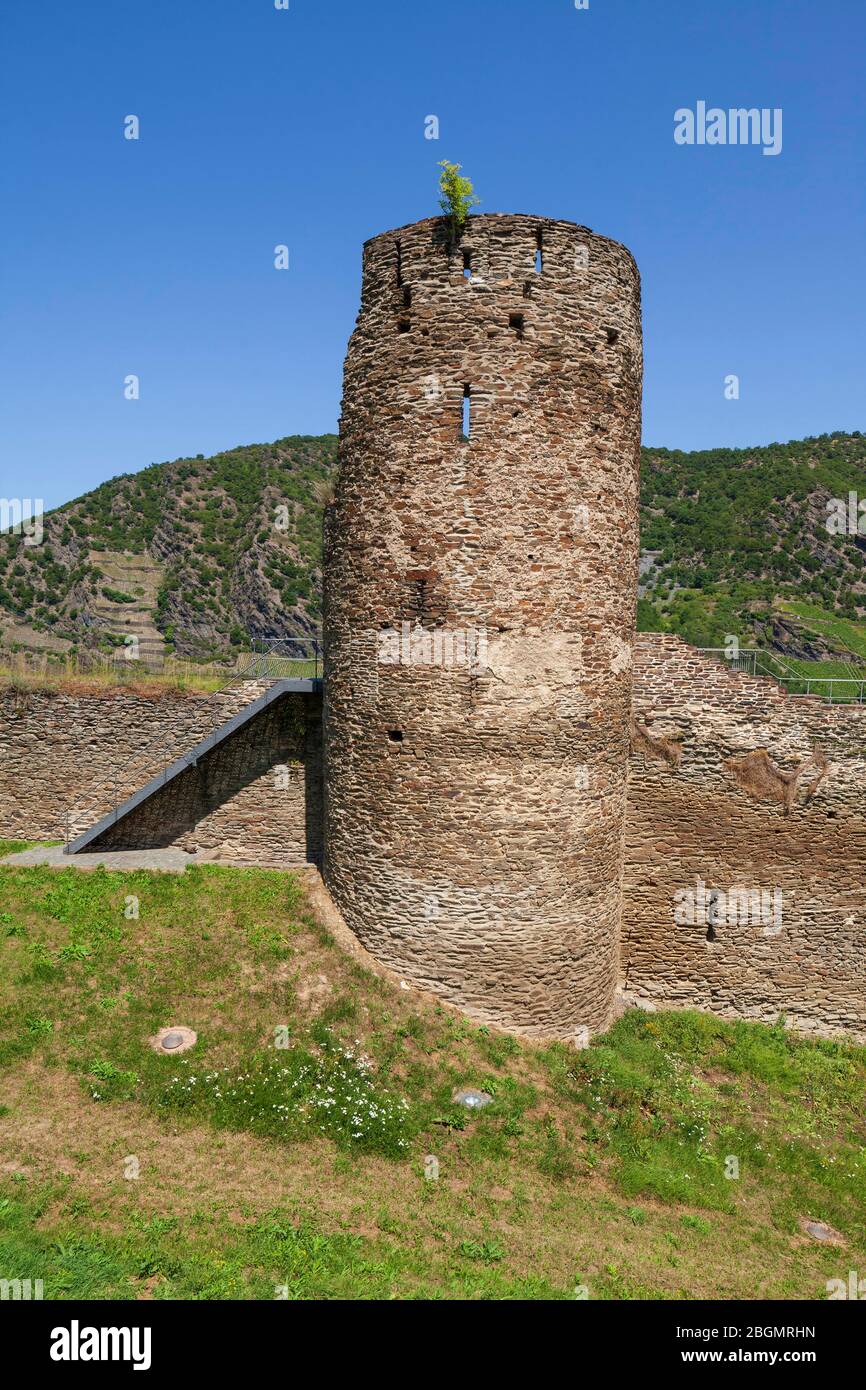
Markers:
point(395, 735)
point(399, 262)
point(527, 289)
point(466, 426)
point(713, 914)
point(467, 265)
point(403, 326)
point(539, 251)
point(612, 335)
point(407, 296)
point(518, 323)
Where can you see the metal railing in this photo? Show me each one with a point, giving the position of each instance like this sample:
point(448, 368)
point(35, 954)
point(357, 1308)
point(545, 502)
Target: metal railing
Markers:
point(834, 690)
point(745, 659)
point(278, 658)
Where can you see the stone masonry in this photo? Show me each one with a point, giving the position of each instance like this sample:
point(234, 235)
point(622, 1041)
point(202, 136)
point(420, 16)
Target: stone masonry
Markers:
point(693, 817)
point(698, 815)
point(75, 749)
point(525, 808)
point(255, 798)
point(479, 615)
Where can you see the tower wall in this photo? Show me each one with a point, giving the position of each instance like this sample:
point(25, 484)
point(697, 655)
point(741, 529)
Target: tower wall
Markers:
point(479, 615)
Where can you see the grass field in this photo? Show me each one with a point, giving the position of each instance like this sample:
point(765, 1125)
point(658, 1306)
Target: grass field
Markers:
point(286, 1153)
point(22, 673)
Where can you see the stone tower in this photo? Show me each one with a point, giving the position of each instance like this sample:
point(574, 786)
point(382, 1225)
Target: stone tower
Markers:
point(480, 589)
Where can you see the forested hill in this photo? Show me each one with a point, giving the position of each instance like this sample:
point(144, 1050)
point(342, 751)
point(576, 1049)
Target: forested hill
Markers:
point(199, 544)
point(199, 551)
point(738, 530)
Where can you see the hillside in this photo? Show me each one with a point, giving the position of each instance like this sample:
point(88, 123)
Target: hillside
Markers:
point(728, 534)
point(187, 554)
point(193, 555)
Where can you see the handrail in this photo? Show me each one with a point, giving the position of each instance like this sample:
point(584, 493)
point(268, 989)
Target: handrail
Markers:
point(831, 689)
point(90, 808)
point(278, 657)
point(190, 757)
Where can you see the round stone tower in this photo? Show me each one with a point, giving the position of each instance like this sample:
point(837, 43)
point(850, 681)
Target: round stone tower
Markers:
point(480, 588)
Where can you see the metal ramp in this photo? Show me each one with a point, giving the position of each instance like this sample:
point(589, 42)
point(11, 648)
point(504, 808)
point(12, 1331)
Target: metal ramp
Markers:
point(190, 759)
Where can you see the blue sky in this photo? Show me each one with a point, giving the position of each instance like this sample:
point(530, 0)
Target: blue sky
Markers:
point(306, 127)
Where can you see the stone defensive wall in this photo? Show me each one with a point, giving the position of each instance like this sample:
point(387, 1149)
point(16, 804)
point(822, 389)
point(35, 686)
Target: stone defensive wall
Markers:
point(67, 757)
point(744, 889)
point(745, 875)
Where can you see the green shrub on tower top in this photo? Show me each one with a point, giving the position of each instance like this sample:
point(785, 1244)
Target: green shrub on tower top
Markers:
point(458, 196)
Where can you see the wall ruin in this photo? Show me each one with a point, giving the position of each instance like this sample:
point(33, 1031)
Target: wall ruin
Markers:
point(256, 798)
point(689, 820)
point(717, 818)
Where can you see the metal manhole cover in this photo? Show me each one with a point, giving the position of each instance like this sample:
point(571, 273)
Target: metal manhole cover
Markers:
point(176, 1039)
point(472, 1099)
point(819, 1230)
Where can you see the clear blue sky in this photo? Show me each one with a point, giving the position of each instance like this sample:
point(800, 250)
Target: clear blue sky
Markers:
point(306, 127)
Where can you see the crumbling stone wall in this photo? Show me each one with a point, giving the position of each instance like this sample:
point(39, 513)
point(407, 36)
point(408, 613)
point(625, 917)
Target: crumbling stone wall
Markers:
point(254, 798)
point(475, 802)
point(768, 793)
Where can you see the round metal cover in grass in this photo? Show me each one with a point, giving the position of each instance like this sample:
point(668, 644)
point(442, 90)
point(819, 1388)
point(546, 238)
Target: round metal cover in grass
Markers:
point(819, 1230)
point(177, 1039)
point(472, 1099)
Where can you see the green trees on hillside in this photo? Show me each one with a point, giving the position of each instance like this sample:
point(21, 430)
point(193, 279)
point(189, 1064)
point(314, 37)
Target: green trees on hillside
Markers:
point(737, 527)
point(735, 530)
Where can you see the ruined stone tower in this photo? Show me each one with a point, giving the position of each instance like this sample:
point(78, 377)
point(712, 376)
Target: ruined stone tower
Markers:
point(479, 615)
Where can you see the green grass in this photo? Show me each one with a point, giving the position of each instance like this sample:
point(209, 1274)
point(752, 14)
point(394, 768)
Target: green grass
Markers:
point(292, 1093)
point(270, 1256)
point(288, 1149)
point(18, 846)
point(849, 636)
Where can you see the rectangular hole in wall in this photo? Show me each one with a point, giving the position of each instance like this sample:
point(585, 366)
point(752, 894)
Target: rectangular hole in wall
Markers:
point(407, 296)
point(517, 322)
point(539, 251)
point(403, 325)
point(467, 265)
point(466, 425)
